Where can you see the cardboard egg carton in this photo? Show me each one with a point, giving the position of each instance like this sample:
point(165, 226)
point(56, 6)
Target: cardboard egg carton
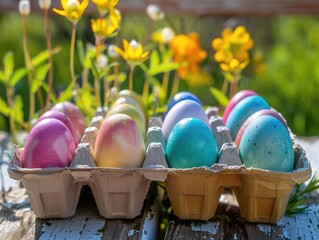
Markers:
point(194, 193)
point(54, 192)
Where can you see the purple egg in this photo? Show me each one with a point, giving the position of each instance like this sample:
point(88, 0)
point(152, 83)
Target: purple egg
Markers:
point(181, 110)
point(63, 118)
point(49, 144)
point(180, 96)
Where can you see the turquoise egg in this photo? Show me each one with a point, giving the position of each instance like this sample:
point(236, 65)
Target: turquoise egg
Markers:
point(191, 144)
point(242, 111)
point(266, 144)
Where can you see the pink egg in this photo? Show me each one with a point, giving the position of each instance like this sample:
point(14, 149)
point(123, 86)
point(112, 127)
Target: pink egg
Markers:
point(234, 100)
point(263, 112)
point(75, 115)
point(49, 144)
point(183, 109)
point(119, 143)
point(63, 118)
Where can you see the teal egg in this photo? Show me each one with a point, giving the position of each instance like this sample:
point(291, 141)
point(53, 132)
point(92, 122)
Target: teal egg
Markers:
point(242, 111)
point(191, 144)
point(266, 144)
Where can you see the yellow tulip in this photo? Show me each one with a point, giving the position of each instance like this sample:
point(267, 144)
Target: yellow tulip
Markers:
point(104, 28)
point(72, 9)
point(132, 52)
point(232, 49)
point(105, 5)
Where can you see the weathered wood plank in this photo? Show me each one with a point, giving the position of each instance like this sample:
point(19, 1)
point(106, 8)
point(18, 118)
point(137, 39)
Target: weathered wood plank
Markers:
point(202, 7)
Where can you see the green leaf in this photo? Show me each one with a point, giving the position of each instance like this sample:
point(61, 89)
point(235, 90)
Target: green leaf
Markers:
point(219, 96)
point(18, 110)
point(18, 75)
point(228, 76)
point(154, 59)
point(44, 56)
point(3, 77)
point(121, 77)
point(40, 74)
point(163, 68)
point(67, 94)
point(52, 97)
point(4, 108)
point(8, 63)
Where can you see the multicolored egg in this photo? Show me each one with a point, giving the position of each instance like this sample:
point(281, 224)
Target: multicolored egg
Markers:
point(49, 144)
point(266, 144)
point(242, 111)
point(181, 110)
point(236, 99)
point(119, 143)
point(75, 115)
point(191, 144)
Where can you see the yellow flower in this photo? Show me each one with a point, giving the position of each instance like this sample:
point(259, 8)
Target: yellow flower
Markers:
point(105, 5)
point(72, 9)
point(232, 49)
point(132, 52)
point(186, 49)
point(104, 27)
point(163, 36)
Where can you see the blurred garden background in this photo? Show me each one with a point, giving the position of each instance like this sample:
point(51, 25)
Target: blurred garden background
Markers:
point(284, 66)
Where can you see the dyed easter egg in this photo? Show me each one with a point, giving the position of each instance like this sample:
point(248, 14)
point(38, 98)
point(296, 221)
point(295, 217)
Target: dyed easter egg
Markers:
point(63, 118)
point(130, 101)
point(191, 144)
point(119, 143)
point(242, 111)
point(75, 115)
point(181, 110)
point(236, 99)
point(133, 95)
point(49, 144)
point(130, 111)
point(180, 96)
point(266, 144)
point(270, 112)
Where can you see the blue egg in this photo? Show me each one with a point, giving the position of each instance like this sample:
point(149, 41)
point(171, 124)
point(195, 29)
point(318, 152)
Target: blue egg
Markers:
point(242, 111)
point(266, 144)
point(191, 144)
point(180, 96)
point(183, 109)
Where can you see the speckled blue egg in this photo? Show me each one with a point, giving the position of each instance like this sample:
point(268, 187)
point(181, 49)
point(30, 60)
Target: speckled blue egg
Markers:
point(181, 110)
point(242, 111)
point(266, 144)
point(180, 96)
point(191, 144)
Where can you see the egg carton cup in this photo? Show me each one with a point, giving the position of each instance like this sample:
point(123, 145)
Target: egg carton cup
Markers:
point(55, 192)
point(194, 193)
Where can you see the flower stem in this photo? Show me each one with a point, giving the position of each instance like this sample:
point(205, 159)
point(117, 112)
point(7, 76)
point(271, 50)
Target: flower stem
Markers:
point(10, 94)
point(234, 85)
point(106, 91)
point(28, 64)
point(73, 78)
point(225, 86)
point(175, 84)
point(146, 88)
point(48, 37)
point(131, 77)
point(97, 91)
point(117, 81)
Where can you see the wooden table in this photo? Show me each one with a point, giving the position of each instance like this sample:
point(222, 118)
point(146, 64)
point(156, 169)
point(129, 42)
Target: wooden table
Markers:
point(18, 221)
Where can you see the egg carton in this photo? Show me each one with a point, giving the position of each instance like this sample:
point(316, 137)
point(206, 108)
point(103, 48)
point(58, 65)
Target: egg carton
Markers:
point(194, 193)
point(55, 192)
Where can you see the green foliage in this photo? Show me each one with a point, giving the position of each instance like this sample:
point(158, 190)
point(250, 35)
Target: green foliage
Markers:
point(291, 79)
point(298, 200)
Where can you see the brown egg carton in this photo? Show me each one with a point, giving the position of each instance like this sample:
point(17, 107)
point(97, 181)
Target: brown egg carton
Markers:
point(194, 193)
point(54, 192)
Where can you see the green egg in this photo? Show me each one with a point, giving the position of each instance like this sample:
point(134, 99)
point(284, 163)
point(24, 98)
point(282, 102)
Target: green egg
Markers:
point(191, 144)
